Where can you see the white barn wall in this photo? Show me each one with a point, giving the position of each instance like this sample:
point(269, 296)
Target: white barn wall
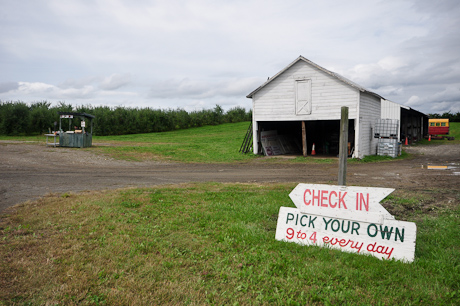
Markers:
point(276, 101)
point(369, 112)
point(390, 110)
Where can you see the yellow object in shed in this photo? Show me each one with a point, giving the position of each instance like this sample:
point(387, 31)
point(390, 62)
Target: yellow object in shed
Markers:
point(437, 167)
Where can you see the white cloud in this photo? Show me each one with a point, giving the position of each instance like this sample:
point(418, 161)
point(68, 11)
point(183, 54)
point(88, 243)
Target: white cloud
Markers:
point(392, 64)
point(48, 91)
point(78, 83)
point(115, 81)
point(203, 89)
point(413, 101)
point(450, 94)
point(8, 86)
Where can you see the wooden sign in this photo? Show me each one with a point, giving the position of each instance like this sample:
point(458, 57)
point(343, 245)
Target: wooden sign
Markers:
point(358, 203)
point(350, 219)
point(390, 240)
point(270, 143)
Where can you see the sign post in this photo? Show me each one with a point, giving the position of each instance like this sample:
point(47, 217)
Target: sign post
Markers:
point(343, 146)
point(350, 219)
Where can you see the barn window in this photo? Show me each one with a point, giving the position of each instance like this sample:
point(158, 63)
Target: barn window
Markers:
point(303, 97)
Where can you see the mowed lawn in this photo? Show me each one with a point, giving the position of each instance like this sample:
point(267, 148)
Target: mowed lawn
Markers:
point(209, 144)
point(211, 244)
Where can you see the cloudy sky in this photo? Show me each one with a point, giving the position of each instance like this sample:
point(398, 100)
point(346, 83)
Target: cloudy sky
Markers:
point(196, 54)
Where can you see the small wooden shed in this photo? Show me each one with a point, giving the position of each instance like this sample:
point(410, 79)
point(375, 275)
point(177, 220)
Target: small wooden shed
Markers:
point(76, 136)
point(307, 96)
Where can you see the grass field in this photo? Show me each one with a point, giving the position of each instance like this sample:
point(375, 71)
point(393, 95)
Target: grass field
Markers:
point(208, 244)
point(219, 143)
point(212, 144)
point(209, 144)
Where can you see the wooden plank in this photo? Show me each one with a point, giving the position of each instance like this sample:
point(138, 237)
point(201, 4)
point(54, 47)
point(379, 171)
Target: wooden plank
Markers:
point(304, 139)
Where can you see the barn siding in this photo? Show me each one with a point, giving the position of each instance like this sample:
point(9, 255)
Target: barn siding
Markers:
point(276, 101)
point(392, 110)
point(369, 112)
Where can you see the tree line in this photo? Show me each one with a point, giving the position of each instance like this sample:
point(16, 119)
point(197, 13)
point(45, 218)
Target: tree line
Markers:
point(19, 118)
point(453, 117)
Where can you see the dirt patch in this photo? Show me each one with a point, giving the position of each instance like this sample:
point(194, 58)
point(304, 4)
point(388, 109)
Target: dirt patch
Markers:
point(30, 170)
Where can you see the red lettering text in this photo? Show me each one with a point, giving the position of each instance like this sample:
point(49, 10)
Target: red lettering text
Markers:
point(362, 201)
point(305, 196)
point(333, 205)
point(290, 233)
point(325, 198)
point(380, 249)
point(341, 201)
point(343, 243)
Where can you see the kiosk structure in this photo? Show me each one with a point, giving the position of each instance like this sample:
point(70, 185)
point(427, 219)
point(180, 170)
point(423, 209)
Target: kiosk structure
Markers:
point(76, 137)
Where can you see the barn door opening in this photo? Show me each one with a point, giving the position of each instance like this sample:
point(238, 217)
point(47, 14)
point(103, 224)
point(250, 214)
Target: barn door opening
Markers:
point(325, 134)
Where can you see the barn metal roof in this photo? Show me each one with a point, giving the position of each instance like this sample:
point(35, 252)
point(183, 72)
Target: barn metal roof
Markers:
point(331, 73)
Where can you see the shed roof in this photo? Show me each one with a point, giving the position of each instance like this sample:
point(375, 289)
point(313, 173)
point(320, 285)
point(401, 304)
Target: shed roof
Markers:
point(331, 73)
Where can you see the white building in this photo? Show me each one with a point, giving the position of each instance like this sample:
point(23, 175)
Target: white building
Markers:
point(306, 92)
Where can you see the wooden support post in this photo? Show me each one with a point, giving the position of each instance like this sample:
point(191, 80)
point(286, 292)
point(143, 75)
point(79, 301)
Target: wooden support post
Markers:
point(406, 123)
point(304, 139)
point(343, 146)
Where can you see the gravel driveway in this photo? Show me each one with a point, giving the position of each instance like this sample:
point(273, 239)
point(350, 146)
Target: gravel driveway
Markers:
point(30, 170)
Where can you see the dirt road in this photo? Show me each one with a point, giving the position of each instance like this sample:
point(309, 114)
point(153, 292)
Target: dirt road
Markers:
point(29, 171)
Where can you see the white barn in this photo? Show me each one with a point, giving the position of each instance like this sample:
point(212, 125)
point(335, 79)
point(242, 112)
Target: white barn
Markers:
point(306, 92)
